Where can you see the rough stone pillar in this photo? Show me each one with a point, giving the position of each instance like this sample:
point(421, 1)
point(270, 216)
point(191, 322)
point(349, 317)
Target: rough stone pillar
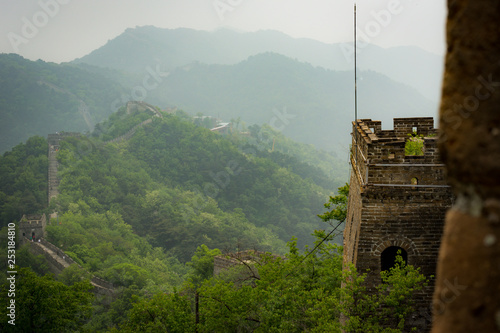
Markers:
point(467, 294)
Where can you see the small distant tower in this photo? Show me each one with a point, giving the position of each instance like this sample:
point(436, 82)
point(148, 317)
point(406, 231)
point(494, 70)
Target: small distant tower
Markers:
point(31, 227)
point(396, 202)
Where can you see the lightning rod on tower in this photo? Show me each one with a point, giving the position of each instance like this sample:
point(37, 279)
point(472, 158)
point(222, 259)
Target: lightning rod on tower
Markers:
point(355, 69)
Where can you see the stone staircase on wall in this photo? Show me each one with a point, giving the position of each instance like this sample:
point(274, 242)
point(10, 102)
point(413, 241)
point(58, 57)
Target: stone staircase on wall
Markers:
point(58, 261)
point(53, 181)
point(54, 145)
point(131, 132)
point(137, 106)
point(56, 257)
point(141, 107)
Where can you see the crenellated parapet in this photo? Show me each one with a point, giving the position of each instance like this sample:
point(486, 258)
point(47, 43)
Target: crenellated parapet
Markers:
point(378, 156)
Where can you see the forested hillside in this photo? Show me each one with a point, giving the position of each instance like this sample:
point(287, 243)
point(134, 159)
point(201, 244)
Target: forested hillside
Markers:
point(135, 211)
point(218, 210)
point(147, 201)
point(308, 104)
point(23, 181)
point(38, 98)
point(182, 185)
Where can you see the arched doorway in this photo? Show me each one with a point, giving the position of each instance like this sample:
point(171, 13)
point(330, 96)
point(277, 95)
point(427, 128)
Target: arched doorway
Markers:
point(388, 257)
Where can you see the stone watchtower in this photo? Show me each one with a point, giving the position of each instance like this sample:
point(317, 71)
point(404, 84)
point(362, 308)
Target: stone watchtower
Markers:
point(396, 202)
point(31, 227)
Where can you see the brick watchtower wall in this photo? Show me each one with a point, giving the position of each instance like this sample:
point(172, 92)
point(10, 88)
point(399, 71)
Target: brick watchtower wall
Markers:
point(395, 202)
point(31, 227)
point(53, 181)
point(54, 145)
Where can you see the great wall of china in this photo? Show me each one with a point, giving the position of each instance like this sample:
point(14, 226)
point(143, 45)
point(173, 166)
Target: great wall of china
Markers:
point(32, 227)
point(32, 232)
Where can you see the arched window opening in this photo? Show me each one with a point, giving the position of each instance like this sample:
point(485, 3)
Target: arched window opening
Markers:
point(388, 257)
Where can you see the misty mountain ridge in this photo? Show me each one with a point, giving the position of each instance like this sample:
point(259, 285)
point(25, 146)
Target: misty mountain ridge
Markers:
point(37, 98)
point(225, 74)
point(139, 47)
point(309, 104)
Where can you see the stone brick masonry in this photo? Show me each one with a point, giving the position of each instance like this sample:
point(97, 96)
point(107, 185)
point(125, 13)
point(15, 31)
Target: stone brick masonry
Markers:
point(396, 201)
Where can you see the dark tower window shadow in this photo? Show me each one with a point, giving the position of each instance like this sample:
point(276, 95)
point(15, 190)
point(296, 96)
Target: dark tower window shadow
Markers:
point(388, 257)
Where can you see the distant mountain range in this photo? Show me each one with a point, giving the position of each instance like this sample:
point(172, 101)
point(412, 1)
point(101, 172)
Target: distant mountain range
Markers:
point(309, 104)
point(137, 48)
point(301, 87)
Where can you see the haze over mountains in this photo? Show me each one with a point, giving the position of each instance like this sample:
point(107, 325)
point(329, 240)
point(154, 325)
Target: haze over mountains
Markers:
point(301, 87)
point(310, 105)
point(37, 98)
point(315, 84)
point(145, 46)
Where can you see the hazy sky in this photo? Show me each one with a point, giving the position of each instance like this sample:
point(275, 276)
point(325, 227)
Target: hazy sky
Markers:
point(62, 30)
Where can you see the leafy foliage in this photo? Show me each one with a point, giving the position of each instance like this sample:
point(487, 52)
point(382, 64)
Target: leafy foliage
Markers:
point(105, 245)
point(118, 124)
point(182, 186)
point(162, 313)
point(304, 293)
point(133, 212)
point(338, 206)
point(23, 181)
point(202, 263)
point(323, 168)
point(45, 305)
point(282, 295)
point(39, 98)
point(414, 145)
point(387, 309)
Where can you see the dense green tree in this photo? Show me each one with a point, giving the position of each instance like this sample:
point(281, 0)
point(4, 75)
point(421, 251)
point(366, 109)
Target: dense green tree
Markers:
point(73, 274)
point(337, 205)
point(107, 316)
point(37, 263)
point(126, 274)
point(133, 211)
point(274, 294)
point(23, 181)
point(182, 186)
point(202, 264)
point(323, 168)
point(162, 313)
point(43, 304)
point(39, 98)
point(303, 293)
point(385, 310)
point(106, 246)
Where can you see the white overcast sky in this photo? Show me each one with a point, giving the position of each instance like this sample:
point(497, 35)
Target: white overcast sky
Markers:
point(68, 29)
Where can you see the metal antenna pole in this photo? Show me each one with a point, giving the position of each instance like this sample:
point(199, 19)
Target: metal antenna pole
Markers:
point(355, 129)
point(355, 69)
